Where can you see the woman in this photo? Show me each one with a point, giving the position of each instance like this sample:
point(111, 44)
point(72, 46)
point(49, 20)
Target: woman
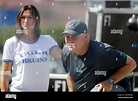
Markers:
point(25, 61)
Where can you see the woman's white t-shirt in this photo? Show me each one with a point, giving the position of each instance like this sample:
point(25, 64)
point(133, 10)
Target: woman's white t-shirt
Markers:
point(30, 71)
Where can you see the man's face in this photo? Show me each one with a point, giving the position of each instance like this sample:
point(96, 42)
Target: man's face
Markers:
point(75, 43)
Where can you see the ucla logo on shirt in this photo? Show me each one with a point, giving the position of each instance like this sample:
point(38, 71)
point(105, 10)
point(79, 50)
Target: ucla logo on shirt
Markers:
point(33, 53)
point(80, 70)
point(41, 58)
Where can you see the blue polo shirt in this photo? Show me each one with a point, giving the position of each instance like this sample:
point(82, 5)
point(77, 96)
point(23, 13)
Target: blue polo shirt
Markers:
point(99, 62)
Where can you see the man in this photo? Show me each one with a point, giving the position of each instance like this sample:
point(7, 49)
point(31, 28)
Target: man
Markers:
point(93, 65)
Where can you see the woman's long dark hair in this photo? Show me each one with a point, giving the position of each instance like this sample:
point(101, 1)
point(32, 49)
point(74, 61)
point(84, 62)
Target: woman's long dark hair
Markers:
point(35, 14)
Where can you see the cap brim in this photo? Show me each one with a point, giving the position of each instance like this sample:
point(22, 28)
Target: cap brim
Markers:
point(73, 33)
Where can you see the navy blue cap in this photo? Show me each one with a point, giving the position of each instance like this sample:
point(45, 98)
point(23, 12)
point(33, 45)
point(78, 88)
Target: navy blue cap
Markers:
point(75, 27)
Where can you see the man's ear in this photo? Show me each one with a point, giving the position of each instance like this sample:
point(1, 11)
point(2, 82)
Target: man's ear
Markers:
point(86, 35)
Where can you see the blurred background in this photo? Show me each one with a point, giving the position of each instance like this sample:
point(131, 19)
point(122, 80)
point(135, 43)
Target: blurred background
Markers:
point(111, 21)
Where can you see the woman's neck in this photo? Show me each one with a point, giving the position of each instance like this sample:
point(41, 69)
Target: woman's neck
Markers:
point(30, 37)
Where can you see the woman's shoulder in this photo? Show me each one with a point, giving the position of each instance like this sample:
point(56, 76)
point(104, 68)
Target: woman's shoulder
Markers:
point(12, 39)
point(46, 37)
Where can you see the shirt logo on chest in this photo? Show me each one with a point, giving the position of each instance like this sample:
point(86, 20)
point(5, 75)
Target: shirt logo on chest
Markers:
point(80, 67)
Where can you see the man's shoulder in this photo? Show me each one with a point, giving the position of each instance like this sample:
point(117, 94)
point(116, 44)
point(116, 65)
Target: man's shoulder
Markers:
point(101, 46)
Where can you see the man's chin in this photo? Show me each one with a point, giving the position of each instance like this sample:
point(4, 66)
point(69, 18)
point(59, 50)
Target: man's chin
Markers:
point(70, 49)
point(25, 28)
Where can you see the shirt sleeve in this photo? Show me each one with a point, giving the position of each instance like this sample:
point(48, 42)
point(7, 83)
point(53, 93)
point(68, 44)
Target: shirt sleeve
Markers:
point(8, 51)
point(113, 59)
point(52, 43)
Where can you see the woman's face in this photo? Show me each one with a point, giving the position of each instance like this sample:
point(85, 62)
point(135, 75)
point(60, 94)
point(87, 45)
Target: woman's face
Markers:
point(27, 20)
